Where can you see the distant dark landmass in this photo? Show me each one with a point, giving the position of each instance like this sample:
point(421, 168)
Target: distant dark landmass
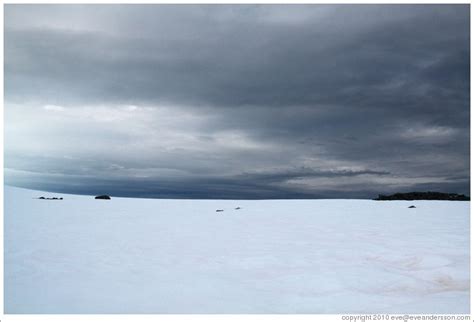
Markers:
point(103, 197)
point(430, 195)
point(54, 198)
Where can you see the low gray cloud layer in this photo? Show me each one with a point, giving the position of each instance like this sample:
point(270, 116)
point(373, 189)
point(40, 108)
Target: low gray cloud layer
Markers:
point(237, 101)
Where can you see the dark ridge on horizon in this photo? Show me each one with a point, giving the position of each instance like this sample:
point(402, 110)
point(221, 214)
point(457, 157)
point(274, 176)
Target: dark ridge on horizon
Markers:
point(428, 195)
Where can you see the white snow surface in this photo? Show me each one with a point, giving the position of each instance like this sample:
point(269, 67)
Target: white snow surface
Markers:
point(81, 255)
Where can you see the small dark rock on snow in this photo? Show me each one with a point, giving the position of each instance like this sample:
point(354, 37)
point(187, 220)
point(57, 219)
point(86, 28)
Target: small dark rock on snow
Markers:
point(104, 197)
point(412, 207)
point(219, 210)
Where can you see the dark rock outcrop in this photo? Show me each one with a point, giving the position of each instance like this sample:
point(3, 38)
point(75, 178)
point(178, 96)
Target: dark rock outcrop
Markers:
point(412, 207)
point(430, 195)
point(103, 197)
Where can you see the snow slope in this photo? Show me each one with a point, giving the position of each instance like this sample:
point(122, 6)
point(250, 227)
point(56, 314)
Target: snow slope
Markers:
point(81, 255)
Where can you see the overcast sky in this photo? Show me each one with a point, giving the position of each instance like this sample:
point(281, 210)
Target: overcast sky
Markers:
point(237, 101)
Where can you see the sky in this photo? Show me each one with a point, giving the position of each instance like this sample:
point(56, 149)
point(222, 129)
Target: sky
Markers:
point(237, 101)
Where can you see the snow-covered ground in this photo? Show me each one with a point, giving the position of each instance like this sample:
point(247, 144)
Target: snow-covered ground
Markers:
point(81, 255)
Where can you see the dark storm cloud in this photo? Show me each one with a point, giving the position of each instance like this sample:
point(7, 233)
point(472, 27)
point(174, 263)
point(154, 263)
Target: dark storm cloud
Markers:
point(247, 186)
point(238, 101)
